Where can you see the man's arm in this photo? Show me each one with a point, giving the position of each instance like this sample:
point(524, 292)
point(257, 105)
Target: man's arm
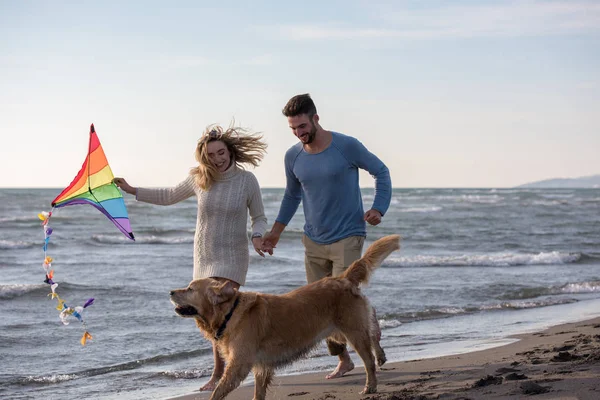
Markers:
point(383, 184)
point(289, 205)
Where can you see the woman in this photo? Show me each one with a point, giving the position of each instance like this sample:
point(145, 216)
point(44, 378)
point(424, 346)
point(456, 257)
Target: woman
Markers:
point(225, 193)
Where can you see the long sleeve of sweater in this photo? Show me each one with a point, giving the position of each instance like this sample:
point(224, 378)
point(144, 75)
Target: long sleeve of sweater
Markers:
point(167, 196)
point(255, 207)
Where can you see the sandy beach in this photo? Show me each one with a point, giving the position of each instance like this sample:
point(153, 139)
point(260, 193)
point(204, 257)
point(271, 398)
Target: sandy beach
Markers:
point(562, 362)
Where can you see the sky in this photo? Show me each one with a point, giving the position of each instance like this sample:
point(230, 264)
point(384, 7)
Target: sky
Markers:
point(445, 93)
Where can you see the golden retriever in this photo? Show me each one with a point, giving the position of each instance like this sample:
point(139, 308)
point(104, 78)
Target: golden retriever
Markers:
point(261, 332)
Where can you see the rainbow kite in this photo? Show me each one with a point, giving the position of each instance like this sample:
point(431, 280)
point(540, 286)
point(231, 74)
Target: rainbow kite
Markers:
point(94, 185)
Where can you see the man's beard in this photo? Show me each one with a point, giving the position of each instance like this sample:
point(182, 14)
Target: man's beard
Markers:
point(312, 134)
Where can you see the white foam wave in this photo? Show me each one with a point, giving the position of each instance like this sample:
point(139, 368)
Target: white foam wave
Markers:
point(33, 218)
point(549, 202)
point(485, 199)
point(51, 378)
point(583, 287)
point(464, 198)
point(523, 304)
point(491, 260)
point(558, 195)
point(16, 290)
point(15, 244)
point(186, 374)
point(430, 209)
point(383, 323)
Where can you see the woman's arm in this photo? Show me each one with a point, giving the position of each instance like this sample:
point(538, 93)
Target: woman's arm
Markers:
point(167, 196)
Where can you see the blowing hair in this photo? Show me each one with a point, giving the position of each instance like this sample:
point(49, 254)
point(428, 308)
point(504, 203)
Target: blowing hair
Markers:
point(298, 105)
point(245, 147)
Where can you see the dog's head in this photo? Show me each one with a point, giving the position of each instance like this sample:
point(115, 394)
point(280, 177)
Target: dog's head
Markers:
point(201, 299)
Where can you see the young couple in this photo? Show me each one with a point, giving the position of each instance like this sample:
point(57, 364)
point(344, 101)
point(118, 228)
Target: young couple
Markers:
point(321, 171)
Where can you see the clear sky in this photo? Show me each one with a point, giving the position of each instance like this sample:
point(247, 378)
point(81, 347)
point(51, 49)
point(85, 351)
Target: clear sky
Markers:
point(446, 93)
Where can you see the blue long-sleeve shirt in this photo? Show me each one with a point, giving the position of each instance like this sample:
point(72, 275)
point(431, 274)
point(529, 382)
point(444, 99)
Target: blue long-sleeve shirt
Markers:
point(327, 185)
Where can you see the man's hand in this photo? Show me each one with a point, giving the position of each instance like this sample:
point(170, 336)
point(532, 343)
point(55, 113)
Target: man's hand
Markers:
point(373, 217)
point(272, 237)
point(270, 241)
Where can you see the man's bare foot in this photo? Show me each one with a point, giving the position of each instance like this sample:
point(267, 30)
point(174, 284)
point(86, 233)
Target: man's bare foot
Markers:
point(210, 385)
point(342, 368)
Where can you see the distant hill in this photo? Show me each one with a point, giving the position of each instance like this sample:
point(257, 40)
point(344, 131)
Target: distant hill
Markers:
point(583, 182)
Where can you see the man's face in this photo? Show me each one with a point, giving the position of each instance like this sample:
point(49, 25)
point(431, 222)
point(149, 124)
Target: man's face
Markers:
point(303, 127)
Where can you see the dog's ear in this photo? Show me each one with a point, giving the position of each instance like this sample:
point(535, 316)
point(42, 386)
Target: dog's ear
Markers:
point(221, 292)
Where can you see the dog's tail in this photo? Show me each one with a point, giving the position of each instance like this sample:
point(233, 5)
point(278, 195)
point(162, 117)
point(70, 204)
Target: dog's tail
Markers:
point(361, 269)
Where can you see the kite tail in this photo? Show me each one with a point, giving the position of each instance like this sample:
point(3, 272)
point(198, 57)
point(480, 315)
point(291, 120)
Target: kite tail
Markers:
point(66, 312)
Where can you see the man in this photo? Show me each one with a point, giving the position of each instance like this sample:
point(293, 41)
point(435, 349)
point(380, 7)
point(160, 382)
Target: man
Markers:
point(322, 172)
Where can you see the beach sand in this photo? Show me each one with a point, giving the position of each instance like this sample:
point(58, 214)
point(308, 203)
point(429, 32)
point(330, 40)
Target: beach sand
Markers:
point(562, 362)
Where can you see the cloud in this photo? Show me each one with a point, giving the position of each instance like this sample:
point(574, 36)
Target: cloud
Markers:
point(506, 19)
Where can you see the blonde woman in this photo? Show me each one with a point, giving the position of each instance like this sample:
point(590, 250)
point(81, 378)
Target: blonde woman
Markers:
point(226, 194)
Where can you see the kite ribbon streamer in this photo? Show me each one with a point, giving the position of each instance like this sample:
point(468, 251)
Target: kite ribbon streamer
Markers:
point(65, 311)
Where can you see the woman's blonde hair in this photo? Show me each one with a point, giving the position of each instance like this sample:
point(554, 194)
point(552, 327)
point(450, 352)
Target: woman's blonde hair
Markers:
point(245, 147)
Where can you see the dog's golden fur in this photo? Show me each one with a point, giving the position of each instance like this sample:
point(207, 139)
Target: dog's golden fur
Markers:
point(267, 331)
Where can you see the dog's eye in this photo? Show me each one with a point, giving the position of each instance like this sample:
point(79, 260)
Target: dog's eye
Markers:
point(189, 288)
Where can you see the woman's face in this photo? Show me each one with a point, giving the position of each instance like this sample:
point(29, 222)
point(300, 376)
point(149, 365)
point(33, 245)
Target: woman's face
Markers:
point(219, 155)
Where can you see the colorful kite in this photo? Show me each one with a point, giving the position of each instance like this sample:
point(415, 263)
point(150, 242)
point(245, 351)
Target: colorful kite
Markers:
point(93, 185)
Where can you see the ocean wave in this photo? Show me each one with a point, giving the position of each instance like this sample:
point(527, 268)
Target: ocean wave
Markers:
point(156, 231)
point(18, 289)
point(484, 260)
point(20, 221)
point(396, 319)
point(152, 239)
point(185, 374)
point(388, 323)
point(11, 291)
point(557, 195)
point(429, 209)
point(548, 202)
point(462, 198)
point(521, 305)
point(485, 199)
point(568, 288)
point(18, 244)
point(48, 379)
point(590, 257)
point(130, 365)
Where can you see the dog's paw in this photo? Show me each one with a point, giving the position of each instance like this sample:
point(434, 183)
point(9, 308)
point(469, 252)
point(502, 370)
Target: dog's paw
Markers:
point(381, 359)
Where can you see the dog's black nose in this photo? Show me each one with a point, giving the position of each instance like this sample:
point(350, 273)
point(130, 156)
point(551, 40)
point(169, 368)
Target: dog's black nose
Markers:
point(172, 292)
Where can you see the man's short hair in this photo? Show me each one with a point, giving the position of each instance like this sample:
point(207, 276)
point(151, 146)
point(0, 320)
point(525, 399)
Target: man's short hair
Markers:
point(300, 104)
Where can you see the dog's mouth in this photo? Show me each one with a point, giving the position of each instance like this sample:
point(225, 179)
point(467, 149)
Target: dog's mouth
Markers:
point(186, 311)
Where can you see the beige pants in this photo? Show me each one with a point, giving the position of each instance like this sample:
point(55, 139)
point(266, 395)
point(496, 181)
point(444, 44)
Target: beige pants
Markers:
point(321, 260)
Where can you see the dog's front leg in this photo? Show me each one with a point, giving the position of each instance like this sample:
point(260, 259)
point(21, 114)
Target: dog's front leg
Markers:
point(262, 378)
point(234, 374)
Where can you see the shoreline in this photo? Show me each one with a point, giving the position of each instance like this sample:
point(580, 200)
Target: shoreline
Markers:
point(561, 362)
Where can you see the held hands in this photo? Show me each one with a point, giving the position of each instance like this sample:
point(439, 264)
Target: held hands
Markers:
point(126, 187)
point(373, 217)
point(257, 242)
point(269, 242)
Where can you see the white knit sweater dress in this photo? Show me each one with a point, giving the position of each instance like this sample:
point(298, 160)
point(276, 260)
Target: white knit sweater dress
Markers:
point(221, 239)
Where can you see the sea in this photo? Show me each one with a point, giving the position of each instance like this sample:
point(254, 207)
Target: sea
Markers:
point(476, 267)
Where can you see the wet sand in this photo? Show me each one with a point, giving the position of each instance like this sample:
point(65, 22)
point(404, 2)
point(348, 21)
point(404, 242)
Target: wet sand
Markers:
point(562, 362)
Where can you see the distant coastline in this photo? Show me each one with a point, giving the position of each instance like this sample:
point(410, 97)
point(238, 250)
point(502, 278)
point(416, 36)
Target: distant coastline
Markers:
point(584, 182)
